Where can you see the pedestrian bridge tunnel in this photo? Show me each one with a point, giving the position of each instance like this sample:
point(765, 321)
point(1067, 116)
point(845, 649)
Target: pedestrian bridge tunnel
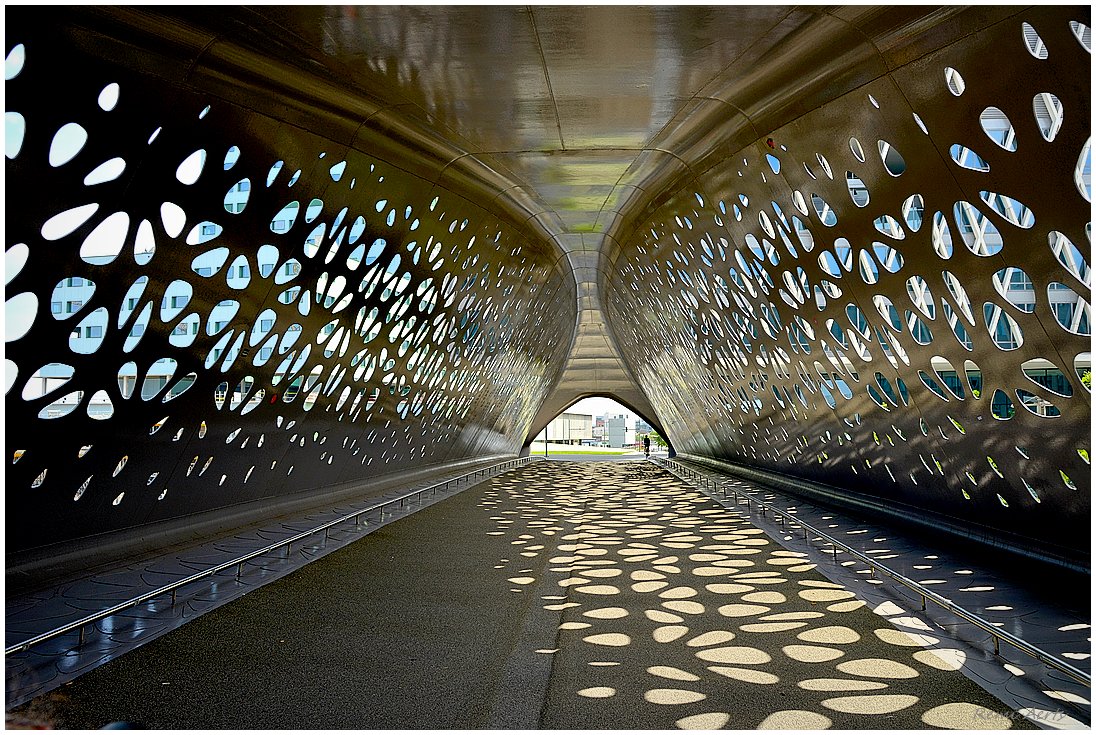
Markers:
point(260, 255)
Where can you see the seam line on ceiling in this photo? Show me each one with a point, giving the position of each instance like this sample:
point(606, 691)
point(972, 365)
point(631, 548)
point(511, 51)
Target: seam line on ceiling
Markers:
point(547, 79)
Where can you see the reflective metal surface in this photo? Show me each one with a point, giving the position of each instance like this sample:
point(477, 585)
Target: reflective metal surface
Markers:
point(591, 152)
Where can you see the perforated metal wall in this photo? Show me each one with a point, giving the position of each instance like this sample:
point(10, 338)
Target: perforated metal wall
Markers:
point(890, 293)
point(208, 305)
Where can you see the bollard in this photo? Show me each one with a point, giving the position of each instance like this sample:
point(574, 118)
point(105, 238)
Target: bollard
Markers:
point(923, 602)
point(82, 635)
point(996, 646)
point(173, 594)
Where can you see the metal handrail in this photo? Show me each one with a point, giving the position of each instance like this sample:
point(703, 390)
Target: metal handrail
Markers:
point(239, 561)
point(926, 594)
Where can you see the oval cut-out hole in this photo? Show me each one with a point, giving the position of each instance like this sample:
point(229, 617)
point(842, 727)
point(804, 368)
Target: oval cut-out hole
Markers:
point(176, 298)
point(1016, 287)
point(949, 377)
point(82, 489)
point(1037, 405)
point(932, 385)
point(105, 242)
point(140, 326)
point(237, 197)
point(14, 260)
point(100, 407)
point(825, 214)
point(106, 171)
point(157, 377)
point(1071, 311)
point(966, 158)
point(185, 383)
point(108, 98)
point(918, 329)
point(979, 234)
point(1049, 114)
point(191, 168)
point(15, 129)
point(67, 143)
point(17, 57)
point(1082, 33)
point(890, 227)
point(1001, 406)
point(857, 190)
point(285, 219)
point(1046, 374)
point(1002, 328)
point(998, 128)
point(239, 273)
point(20, 312)
point(62, 406)
point(68, 221)
point(1082, 365)
point(1082, 173)
point(954, 81)
point(47, 379)
point(1014, 212)
point(1033, 42)
point(892, 159)
point(173, 218)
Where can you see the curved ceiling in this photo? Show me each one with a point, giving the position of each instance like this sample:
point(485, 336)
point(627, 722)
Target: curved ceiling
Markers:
point(575, 119)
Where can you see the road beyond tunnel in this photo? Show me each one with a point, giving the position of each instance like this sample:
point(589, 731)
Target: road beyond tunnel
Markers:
point(563, 595)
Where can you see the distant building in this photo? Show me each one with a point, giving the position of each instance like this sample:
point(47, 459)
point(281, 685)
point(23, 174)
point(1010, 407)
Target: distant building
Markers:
point(642, 427)
point(571, 428)
point(616, 430)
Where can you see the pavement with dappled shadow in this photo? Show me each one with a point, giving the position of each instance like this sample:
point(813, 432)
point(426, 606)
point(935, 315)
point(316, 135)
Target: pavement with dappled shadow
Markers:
point(563, 595)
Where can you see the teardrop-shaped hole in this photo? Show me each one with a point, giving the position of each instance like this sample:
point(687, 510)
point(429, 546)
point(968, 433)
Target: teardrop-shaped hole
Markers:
point(67, 143)
point(158, 376)
point(893, 161)
point(191, 167)
point(998, 128)
point(1037, 405)
point(100, 407)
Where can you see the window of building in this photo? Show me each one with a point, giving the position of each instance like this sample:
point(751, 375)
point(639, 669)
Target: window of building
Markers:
point(243, 271)
point(264, 353)
point(74, 306)
point(1020, 281)
point(138, 329)
point(96, 330)
point(265, 269)
point(75, 334)
point(55, 307)
point(266, 324)
point(179, 329)
point(208, 230)
point(279, 225)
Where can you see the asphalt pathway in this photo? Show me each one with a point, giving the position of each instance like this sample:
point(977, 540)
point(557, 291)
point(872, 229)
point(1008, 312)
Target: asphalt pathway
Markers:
point(562, 595)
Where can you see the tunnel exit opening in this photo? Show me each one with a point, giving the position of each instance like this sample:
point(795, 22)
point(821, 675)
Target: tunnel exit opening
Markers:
point(599, 424)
